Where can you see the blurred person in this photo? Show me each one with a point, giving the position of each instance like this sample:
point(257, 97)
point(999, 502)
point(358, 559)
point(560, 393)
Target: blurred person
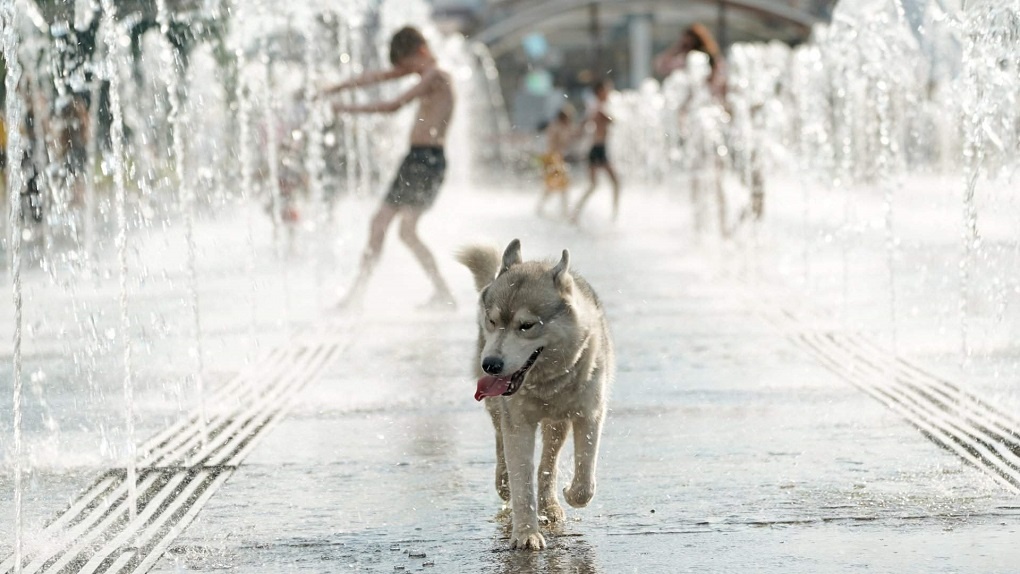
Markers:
point(292, 179)
point(72, 133)
point(560, 135)
point(704, 117)
point(417, 183)
point(695, 38)
point(599, 121)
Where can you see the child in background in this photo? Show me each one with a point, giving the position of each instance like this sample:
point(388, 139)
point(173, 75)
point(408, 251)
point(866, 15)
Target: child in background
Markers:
point(597, 157)
point(422, 172)
point(560, 134)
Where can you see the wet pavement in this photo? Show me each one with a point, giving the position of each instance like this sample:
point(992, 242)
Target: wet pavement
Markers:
point(730, 444)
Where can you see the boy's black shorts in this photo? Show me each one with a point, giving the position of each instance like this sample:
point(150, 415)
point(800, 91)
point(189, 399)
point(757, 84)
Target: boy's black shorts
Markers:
point(597, 155)
point(419, 177)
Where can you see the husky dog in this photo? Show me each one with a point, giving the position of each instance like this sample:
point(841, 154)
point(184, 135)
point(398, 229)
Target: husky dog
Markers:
point(544, 358)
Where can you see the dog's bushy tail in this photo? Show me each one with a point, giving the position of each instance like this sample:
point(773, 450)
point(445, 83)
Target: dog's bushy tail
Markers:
point(483, 262)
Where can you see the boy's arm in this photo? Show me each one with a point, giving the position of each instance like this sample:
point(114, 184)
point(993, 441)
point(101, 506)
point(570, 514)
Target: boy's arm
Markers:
point(367, 79)
point(390, 106)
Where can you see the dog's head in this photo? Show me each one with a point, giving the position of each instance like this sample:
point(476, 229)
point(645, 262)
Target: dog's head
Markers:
point(525, 316)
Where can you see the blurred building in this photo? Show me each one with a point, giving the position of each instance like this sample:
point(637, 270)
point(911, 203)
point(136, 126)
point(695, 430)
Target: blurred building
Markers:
point(547, 48)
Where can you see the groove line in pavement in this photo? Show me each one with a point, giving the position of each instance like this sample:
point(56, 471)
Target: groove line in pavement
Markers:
point(97, 533)
point(961, 423)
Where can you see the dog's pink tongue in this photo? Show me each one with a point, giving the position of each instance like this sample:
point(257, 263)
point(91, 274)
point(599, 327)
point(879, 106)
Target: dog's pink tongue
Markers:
point(489, 386)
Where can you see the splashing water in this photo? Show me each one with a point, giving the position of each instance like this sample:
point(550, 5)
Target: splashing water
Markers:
point(314, 162)
point(119, 323)
point(187, 202)
point(880, 97)
point(113, 47)
point(15, 183)
point(989, 77)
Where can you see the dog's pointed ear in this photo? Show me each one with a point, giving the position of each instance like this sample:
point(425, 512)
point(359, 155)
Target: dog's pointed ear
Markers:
point(512, 255)
point(561, 273)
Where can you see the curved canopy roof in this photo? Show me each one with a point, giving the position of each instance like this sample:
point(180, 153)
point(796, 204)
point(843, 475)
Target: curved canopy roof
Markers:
point(566, 22)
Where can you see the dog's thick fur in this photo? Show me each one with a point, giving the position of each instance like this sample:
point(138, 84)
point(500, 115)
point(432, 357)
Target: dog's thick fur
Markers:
point(542, 315)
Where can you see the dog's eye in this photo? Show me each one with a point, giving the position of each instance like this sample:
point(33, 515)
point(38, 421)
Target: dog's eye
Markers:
point(491, 323)
point(526, 326)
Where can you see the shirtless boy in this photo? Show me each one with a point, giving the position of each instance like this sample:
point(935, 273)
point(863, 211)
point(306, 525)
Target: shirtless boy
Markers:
point(597, 158)
point(416, 185)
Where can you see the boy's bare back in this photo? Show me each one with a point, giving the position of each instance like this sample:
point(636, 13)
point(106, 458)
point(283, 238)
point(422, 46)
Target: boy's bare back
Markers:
point(435, 108)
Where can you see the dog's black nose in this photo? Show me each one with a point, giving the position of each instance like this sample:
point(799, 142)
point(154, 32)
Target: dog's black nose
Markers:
point(492, 365)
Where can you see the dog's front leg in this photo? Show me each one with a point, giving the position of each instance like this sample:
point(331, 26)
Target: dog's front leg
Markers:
point(554, 434)
point(587, 432)
point(502, 481)
point(519, 449)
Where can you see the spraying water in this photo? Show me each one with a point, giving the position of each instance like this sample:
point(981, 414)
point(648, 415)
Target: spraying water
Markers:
point(872, 98)
point(991, 35)
point(282, 232)
point(113, 46)
point(15, 183)
point(887, 150)
point(187, 203)
point(89, 216)
point(123, 309)
point(350, 165)
point(314, 163)
point(359, 124)
point(244, 119)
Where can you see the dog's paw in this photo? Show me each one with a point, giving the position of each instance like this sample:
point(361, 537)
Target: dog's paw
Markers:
point(552, 513)
point(578, 494)
point(527, 540)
